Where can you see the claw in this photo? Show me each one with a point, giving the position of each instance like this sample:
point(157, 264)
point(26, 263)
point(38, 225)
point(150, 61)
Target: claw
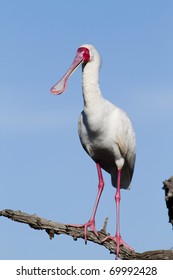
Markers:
point(90, 224)
point(119, 241)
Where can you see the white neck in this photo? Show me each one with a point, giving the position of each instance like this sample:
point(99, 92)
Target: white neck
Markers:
point(90, 83)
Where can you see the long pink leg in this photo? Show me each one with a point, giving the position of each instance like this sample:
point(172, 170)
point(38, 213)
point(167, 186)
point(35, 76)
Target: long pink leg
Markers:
point(91, 222)
point(117, 238)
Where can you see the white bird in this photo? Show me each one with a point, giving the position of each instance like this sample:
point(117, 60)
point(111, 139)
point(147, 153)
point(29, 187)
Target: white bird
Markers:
point(105, 132)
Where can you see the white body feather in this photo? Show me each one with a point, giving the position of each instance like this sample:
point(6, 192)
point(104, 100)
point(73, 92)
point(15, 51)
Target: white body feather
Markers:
point(105, 131)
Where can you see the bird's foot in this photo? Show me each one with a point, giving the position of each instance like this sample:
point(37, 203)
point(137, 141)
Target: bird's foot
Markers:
point(119, 242)
point(90, 224)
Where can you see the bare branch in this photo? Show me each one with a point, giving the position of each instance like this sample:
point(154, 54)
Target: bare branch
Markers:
point(52, 228)
point(168, 187)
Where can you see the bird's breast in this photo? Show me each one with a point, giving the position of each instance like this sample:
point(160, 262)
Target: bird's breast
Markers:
point(97, 139)
point(108, 137)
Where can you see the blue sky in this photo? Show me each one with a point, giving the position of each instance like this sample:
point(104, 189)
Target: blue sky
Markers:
point(44, 169)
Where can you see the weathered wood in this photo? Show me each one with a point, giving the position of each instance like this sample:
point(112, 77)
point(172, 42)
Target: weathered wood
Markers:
point(55, 228)
point(168, 187)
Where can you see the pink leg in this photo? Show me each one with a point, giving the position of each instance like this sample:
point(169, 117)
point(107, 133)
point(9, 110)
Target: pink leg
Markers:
point(117, 238)
point(91, 222)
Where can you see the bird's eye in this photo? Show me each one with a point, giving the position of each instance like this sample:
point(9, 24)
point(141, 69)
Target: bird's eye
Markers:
point(86, 55)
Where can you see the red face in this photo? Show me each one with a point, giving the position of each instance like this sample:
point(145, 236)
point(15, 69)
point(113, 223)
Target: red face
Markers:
point(85, 52)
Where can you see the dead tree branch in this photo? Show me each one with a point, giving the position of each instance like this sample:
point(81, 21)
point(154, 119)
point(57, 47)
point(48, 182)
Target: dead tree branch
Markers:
point(168, 187)
point(54, 228)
